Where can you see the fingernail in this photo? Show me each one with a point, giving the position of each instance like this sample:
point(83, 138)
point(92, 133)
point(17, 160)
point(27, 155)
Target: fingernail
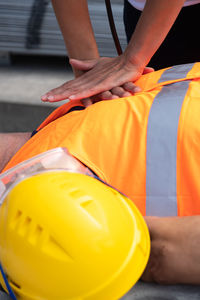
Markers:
point(137, 89)
point(44, 97)
point(127, 94)
point(50, 98)
point(72, 97)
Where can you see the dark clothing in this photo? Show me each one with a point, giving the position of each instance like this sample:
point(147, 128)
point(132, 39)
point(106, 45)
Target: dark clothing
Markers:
point(181, 45)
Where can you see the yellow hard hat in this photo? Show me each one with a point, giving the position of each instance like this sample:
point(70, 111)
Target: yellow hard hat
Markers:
point(69, 236)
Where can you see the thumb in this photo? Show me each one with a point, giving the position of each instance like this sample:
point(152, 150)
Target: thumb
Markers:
point(83, 65)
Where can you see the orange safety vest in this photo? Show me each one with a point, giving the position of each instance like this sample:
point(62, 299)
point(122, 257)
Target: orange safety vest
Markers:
point(147, 145)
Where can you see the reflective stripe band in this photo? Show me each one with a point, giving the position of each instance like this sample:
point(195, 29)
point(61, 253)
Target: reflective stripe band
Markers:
point(176, 72)
point(161, 153)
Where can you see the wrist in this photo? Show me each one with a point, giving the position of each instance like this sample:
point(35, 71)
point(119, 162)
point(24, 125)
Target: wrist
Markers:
point(77, 73)
point(136, 59)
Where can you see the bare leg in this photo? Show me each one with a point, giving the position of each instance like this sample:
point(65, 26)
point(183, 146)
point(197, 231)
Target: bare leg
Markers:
point(10, 143)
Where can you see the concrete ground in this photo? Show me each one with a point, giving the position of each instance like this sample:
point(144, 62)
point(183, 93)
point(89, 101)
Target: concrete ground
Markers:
point(22, 82)
point(26, 78)
point(21, 85)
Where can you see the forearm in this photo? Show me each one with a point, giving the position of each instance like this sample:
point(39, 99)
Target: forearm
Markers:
point(74, 21)
point(175, 255)
point(155, 22)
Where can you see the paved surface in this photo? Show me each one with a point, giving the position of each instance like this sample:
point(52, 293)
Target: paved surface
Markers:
point(21, 85)
point(142, 291)
point(18, 117)
point(145, 291)
point(27, 78)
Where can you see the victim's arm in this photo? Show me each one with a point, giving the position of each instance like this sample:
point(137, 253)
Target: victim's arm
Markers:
point(10, 143)
point(175, 254)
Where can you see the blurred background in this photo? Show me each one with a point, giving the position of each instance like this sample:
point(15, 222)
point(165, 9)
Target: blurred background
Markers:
point(33, 58)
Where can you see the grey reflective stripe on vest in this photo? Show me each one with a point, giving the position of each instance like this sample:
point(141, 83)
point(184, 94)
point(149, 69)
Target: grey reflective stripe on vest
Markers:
point(162, 130)
point(176, 72)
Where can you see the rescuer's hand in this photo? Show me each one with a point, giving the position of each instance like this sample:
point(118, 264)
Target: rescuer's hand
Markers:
point(175, 256)
point(80, 67)
point(106, 78)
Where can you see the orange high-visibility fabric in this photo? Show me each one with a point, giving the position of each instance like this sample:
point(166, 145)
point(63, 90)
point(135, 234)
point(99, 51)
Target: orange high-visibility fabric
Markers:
point(188, 153)
point(110, 138)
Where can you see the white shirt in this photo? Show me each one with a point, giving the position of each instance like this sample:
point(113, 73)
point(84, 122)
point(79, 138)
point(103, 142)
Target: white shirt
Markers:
point(139, 4)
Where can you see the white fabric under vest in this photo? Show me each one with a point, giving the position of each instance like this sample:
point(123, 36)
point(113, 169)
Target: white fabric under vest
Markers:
point(139, 4)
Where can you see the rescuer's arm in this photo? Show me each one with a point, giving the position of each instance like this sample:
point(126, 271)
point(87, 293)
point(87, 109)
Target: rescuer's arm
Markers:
point(10, 143)
point(104, 74)
point(75, 24)
point(175, 255)
point(74, 21)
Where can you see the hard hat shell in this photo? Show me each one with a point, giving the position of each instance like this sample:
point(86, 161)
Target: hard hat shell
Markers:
point(69, 236)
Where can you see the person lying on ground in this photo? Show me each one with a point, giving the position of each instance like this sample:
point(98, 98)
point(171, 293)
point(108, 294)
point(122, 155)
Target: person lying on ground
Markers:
point(146, 146)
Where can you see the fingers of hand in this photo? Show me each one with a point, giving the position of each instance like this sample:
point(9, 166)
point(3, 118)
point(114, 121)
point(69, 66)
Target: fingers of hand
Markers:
point(131, 87)
point(96, 98)
point(126, 90)
point(120, 92)
point(87, 102)
point(54, 96)
point(107, 95)
point(63, 92)
point(95, 82)
point(117, 92)
point(114, 93)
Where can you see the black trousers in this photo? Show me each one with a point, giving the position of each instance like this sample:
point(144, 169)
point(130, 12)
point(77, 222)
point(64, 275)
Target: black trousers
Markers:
point(182, 43)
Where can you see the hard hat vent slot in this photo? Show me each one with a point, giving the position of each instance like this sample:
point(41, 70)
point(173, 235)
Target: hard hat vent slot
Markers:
point(18, 220)
point(39, 230)
point(27, 221)
point(36, 235)
point(17, 216)
point(21, 223)
point(25, 226)
point(13, 283)
point(55, 249)
point(76, 193)
point(19, 213)
point(86, 202)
